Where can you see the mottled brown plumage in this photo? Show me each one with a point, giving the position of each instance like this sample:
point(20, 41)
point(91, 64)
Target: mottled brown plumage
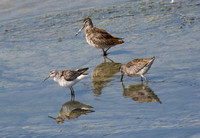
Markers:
point(137, 67)
point(99, 38)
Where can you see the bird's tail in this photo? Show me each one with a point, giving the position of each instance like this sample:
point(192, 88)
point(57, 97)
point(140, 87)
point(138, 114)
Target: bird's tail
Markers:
point(118, 40)
point(151, 61)
point(121, 41)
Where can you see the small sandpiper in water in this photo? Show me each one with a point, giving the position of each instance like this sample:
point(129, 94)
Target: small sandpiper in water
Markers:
point(67, 78)
point(137, 67)
point(99, 38)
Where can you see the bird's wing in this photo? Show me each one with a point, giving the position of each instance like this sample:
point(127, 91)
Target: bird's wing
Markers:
point(102, 34)
point(69, 75)
point(101, 37)
point(137, 64)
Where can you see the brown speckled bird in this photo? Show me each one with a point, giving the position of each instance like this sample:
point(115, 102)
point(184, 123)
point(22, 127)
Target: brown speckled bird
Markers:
point(137, 67)
point(99, 38)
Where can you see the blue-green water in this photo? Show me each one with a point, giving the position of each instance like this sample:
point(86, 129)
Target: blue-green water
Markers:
point(35, 40)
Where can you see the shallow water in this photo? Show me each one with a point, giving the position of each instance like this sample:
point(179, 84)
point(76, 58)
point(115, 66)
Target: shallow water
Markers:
point(36, 41)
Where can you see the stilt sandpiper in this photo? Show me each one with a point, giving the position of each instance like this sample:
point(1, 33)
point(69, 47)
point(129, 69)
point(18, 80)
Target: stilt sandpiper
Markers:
point(67, 78)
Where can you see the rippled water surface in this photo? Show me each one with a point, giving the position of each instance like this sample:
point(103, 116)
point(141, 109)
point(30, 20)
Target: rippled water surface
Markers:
point(37, 36)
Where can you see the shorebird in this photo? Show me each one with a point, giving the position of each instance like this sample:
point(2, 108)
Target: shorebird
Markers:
point(67, 78)
point(137, 67)
point(99, 38)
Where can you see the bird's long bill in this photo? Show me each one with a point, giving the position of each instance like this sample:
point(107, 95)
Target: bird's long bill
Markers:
point(80, 30)
point(46, 78)
point(52, 117)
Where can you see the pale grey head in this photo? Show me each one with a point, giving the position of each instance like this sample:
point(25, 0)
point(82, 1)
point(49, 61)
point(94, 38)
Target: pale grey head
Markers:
point(52, 73)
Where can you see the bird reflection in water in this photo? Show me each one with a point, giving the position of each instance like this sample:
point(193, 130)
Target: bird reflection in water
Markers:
point(72, 110)
point(103, 74)
point(140, 93)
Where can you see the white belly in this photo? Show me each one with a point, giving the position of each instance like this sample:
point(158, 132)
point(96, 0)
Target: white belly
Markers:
point(67, 84)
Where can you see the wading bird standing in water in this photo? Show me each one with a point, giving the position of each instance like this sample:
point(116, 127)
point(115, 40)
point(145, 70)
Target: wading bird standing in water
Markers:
point(99, 38)
point(137, 67)
point(67, 78)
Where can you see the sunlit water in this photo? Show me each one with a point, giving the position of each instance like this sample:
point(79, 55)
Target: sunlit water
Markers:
point(37, 37)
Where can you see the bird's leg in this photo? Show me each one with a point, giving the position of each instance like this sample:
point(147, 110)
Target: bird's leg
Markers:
point(144, 78)
point(122, 75)
point(104, 52)
point(72, 91)
point(108, 49)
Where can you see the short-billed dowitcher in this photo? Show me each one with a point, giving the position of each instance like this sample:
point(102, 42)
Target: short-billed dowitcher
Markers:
point(137, 67)
point(67, 78)
point(99, 38)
